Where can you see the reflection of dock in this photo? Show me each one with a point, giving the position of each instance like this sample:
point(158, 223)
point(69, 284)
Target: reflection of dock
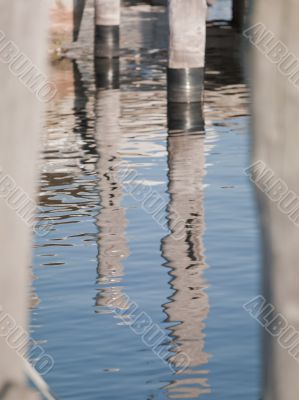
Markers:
point(183, 249)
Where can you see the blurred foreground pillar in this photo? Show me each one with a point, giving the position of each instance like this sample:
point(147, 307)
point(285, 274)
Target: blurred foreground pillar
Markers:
point(23, 29)
point(107, 28)
point(275, 74)
point(187, 42)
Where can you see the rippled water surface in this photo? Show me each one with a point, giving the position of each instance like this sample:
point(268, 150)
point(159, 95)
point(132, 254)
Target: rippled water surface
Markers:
point(104, 152)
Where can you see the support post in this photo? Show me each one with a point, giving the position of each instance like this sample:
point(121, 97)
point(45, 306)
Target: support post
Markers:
point(20, 127)
point(238, 11)
point(275, 103)
point(159, 3)
point(77, 14)
point(187, 41)
point(107, 28)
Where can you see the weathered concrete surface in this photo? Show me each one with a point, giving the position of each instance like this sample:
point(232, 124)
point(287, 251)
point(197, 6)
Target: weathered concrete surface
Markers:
point(107, 12)
point(275, 143)
point(187, 33)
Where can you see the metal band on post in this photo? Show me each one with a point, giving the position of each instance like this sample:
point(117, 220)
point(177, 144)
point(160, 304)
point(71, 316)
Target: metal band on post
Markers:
point(185, 74)
point(107, 28)
point(185, 117)
point(107, 41)
point(185, 85)
point(159, 3)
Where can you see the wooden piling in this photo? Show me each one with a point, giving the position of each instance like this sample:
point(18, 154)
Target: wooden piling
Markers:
point(77, 14)
point(238, 13)
point(158, 2)
point(20, 127)
point(187, 40)
point(275, 102)
point(107, 28)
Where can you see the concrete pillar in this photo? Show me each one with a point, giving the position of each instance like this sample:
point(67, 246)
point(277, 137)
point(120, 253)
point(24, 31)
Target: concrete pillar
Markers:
point(107, 28)
point(187, 41)
point(274, 33)
point(23, 29)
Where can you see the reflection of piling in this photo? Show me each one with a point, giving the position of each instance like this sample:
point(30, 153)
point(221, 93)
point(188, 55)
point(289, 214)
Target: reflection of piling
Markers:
point(111, 221)
point(187, 39)
point(185, 117)
point(183, 249)
point(107, 73)
point(107, 28)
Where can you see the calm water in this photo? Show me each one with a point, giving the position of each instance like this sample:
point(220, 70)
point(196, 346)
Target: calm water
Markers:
point(192, 278)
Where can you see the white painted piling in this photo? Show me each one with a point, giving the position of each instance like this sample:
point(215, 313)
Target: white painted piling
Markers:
point(23, 28)
point(107, 18)
point(275, 103)
point(187, 40)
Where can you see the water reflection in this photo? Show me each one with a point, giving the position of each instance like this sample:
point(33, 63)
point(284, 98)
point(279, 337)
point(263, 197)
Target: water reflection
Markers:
point(80, 187)
point(111, 221)
point(188, 306)
point(82, 126)
point(185, 117)
point(67, 187)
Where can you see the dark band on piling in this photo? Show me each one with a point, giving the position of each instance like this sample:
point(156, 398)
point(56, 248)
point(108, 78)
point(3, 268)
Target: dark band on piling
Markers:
point(159, 3)
point(185, 85)
point(107, 41)
point(107, 73)
point(185, 117)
